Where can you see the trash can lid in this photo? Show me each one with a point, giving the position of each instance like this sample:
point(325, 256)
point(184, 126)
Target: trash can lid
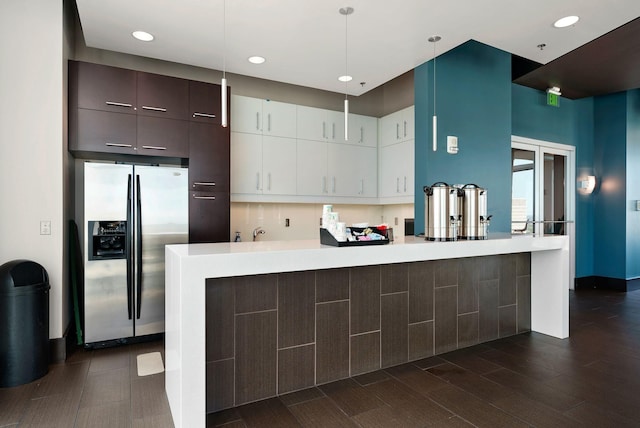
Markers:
point(21, 273)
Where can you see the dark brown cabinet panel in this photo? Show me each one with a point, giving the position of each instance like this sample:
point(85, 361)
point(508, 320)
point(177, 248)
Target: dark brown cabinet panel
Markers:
point(204, 102)
point(163, 96)
point(115, 111)
point(103, 131)
point(209, 157)
point(209, 217)
point(163, 137)
point(100, 87)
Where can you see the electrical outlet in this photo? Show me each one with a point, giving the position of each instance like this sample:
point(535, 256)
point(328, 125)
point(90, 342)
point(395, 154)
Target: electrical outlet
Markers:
point(45, 227)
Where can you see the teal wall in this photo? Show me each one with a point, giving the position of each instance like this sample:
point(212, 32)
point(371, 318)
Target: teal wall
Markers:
point(571, 123)
point(633, 184)
point(473, 102)
point(477, 102)
point(610, 165)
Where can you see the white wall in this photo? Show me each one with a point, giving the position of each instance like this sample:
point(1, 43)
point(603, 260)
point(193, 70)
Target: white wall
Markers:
point(32, 142)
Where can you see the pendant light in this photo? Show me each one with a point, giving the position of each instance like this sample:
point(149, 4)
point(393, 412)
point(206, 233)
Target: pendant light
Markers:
point(223, 83)
point(434, 40)
point(346, 11)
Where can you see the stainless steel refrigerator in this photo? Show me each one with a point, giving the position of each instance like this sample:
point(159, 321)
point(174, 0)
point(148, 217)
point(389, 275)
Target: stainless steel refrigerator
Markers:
point(130, 213)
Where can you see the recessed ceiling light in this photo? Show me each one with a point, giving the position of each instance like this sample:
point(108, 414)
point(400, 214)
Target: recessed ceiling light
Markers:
point(345, 78)
point(256, 59)
point(142, 35)
point(567, 21)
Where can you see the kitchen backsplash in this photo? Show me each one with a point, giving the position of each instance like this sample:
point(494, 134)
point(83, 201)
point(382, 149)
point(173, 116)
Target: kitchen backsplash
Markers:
point(304, 219)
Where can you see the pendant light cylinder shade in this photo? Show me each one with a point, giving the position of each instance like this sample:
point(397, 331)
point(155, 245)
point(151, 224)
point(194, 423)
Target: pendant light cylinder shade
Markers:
point(346, 120)
point(223, 100)
point(435, 133)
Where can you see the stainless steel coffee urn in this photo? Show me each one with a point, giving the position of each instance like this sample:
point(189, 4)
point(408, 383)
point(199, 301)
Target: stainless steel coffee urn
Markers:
point(441, 212)
point(473, 207)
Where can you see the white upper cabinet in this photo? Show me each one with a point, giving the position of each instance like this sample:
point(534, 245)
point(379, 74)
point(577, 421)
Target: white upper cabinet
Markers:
point(257, 116)
point(262, 165)
point(397, 127)
point(396, 170)
point(352, 171)
point(312, 178)
point(246, 163)
point(363, 130)
point(287, 153)
point(318, 124)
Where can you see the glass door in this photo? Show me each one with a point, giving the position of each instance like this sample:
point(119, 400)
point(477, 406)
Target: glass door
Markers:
point(543, 190)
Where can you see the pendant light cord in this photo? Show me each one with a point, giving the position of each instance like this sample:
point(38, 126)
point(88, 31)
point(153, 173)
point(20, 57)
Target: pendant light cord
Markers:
point(346, 55)
point(224, 38)
point(434, 78)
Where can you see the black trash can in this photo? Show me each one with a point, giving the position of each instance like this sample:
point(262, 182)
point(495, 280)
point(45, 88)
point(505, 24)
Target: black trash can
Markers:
point(24, 322)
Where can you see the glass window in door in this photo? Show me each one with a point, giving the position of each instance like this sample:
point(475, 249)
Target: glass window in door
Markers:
point(522, 190)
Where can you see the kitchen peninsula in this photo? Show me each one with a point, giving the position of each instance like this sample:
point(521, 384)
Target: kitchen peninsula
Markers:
point(247, 321)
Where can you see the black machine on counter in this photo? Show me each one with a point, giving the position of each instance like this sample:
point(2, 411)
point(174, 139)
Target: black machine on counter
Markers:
point(455, 212)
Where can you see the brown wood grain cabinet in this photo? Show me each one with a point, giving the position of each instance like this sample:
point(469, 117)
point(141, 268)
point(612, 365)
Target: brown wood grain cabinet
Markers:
point(108, 95)
point(162, 96)
point(115, 111)
point(204, 102)
point(209, 165)
point(100, 87)
point(209, 217)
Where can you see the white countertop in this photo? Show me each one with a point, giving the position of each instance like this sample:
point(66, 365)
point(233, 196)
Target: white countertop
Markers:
point(250, 258)
point(187, 268)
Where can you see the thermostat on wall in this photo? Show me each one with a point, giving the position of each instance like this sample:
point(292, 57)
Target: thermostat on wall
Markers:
point(452, 144)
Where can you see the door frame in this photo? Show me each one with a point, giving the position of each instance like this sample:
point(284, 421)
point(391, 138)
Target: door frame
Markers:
point(539, 147)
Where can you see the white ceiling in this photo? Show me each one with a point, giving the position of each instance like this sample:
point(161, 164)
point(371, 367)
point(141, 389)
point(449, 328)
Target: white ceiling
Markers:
point(304, 40)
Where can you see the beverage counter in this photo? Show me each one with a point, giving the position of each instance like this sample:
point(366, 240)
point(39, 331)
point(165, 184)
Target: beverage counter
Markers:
point(250, 320)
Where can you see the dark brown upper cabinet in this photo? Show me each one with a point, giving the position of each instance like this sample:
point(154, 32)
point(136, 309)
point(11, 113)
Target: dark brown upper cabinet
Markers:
point(204, 102)
point(163, 96)
point(100, 87)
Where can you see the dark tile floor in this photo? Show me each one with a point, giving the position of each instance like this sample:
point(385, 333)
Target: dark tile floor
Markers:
point(98, 388)
point(590, 380)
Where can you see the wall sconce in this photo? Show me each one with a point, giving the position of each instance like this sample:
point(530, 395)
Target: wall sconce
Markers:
point(587, 184)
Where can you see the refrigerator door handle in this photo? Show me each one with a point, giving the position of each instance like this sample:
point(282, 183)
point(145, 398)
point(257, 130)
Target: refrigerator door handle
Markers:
point(129, 260)
point(138, 248)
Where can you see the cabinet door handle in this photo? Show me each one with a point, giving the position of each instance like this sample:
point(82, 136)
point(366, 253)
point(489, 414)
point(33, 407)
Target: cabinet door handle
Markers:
point(362, 186)
point(334, 184)
point(257, 181)
point(324, 130)
point(154, 147)
point(269, 181)
point(210, 116)
point(333, 131)
point(203, 183)
point(209, 198)
point(405, 184)
point(397, 131)
point(257, 121)
point(117, 145)
point(161, 109)
point(269, 122)
point(405, 128)
point(116, 104)
point(397, 184)
point(324, 184)
point(362, 134)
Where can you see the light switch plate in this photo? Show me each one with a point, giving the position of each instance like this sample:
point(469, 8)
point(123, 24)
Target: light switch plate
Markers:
point(45, 227)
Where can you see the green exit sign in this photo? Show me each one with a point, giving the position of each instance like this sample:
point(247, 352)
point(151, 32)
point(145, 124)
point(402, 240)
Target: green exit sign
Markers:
point(553, 100)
